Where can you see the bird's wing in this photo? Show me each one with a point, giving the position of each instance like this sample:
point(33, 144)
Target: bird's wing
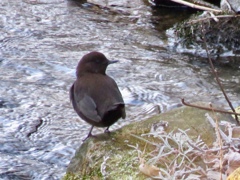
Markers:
point(88, 108)
point(84, 105)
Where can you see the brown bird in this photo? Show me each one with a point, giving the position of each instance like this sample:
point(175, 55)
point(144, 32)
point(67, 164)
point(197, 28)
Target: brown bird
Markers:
point(94, 95)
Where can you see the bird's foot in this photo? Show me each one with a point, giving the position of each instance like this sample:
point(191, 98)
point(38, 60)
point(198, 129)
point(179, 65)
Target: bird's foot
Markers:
point(107, 130)
point(89, 134)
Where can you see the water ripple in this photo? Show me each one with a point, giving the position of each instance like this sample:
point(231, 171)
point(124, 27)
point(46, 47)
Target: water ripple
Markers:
point(41, 43)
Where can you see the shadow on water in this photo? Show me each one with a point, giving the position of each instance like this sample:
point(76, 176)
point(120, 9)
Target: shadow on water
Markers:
point(165, 18)
point(40, 45)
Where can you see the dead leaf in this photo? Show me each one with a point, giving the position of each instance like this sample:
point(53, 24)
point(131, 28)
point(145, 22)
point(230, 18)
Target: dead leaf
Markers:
point(235, 175)
point(149, 170)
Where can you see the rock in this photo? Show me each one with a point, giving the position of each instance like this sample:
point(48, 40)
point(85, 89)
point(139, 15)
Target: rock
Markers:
point(231, 5)
point(112, 156)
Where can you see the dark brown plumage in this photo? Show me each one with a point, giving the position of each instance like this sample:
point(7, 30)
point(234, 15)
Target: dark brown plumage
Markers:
point(94, 95)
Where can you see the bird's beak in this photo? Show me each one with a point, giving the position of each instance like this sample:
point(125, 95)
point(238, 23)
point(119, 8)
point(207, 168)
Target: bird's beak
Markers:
point(111, 62)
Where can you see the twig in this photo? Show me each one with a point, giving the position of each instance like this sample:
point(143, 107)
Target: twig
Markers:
point(219, 140)
point(195, 147)
point(216, 76)
point(103, 166)
point(196, 6)
point(208, 109)
point(219, 16)
point(212, 150)
point(191, 171)
point(223, 135)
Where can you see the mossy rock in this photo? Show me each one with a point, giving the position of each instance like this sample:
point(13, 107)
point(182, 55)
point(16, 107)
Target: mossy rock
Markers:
point(110, 156)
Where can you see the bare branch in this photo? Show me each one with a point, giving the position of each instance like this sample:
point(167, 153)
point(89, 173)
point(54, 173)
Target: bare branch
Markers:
point(216, 76)
point(209, 109)
point(196, 6)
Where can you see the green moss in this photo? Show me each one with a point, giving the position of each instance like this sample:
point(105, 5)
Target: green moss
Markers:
point(96, 174)
point(93, 175)
point(71, 176)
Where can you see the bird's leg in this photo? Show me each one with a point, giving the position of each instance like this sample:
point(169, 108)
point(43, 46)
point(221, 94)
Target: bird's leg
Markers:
point(107, 130)
point(89, 134)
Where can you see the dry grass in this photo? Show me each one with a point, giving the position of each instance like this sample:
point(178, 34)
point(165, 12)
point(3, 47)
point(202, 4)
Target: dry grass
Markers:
point(177, 156)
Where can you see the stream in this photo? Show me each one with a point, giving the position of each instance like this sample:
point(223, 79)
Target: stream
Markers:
point(41, 42)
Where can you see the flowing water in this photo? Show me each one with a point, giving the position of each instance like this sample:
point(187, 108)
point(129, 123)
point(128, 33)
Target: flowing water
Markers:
point(41, 42)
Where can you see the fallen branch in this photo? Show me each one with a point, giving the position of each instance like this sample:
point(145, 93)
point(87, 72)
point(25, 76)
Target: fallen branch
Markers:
point(196, 6)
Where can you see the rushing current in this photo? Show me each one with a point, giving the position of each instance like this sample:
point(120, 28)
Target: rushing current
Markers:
point(41, 42)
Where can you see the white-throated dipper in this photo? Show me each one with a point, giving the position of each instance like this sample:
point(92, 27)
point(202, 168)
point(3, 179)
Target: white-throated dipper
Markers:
point(94, 95)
